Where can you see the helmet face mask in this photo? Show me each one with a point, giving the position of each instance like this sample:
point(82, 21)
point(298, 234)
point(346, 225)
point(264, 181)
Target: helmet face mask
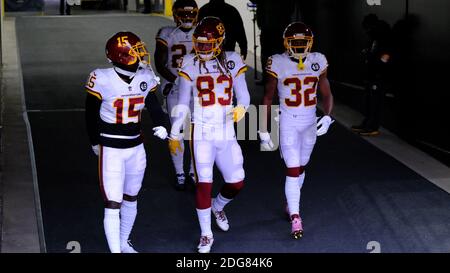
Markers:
point(298, 47)
point(141, 53)
point(207, 49)
point(185, 13)
point(186, 17)
point(208, 38)
point(298, 40)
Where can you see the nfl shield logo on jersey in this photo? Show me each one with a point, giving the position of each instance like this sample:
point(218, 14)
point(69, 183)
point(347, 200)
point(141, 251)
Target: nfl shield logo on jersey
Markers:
point(143, 86)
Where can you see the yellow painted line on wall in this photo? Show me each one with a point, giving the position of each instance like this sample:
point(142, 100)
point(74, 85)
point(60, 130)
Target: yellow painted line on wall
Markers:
point(168, 7)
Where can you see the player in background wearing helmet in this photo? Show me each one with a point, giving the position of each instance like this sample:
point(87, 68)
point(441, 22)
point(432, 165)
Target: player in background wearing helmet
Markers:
point(296, 75)
point(211, 77)
point(114, 102)
point(172, 43)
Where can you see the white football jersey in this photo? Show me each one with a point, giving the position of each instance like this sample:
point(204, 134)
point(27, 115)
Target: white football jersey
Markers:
point(178, 42)
point(212, 87)
point(297, 88)
point(122, 103)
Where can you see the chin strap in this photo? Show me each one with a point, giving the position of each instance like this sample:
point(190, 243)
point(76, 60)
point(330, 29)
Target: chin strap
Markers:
point(125, 72)
point(300, 65)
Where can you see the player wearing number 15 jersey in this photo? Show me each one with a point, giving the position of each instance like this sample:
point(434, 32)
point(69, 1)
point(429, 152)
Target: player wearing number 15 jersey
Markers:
point(115, 99)
point(296, 75)
point(211, 77)
point(172, 43)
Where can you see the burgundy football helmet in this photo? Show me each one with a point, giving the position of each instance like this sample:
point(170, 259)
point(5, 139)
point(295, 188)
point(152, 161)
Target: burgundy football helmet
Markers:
point(185, 13)
point(126, 50)
point(208, 38)
point(298, 40)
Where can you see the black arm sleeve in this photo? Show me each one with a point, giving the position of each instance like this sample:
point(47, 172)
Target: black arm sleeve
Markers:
point(156, 113)
point(92, 115)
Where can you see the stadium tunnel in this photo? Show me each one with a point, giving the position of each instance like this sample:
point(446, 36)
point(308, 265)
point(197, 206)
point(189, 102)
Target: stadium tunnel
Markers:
point(392, 189)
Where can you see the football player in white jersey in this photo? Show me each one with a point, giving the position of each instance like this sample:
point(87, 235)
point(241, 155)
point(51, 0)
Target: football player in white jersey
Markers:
point(211, 77)
point(296, 75)
point(114, 102)
point(172, 43)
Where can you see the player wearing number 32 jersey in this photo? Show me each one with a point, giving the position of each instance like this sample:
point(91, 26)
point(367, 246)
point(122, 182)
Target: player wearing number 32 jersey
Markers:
point(296, 75)
point(115, 99)
point(212, 77)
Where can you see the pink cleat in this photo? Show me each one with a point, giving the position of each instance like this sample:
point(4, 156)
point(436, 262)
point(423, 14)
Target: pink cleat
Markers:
point(297, 227)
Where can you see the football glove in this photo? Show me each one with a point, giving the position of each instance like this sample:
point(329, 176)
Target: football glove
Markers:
point(160, 132)
point(96, 149)
point(266, 142)
point(175, 144)
point(323, 124)
point(238, 113)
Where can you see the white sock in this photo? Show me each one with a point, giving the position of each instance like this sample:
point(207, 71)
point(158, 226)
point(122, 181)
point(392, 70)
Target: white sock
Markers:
point(178, 160)
point(128, 212)
point(204, 218)
point(292, 191)
point(111, 223)
point(220, 202)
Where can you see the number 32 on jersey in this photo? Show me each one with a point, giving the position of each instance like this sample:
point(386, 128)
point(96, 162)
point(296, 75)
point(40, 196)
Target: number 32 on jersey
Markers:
point(308, 97)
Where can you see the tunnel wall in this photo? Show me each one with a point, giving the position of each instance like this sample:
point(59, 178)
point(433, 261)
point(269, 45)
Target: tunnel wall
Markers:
point(417, 107)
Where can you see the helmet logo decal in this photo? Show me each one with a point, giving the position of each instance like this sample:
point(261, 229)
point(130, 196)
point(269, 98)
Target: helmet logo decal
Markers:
point(220, 28)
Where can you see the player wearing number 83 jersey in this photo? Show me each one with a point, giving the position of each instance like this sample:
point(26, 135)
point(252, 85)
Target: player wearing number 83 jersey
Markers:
point(211, 77)
point(213, 85)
